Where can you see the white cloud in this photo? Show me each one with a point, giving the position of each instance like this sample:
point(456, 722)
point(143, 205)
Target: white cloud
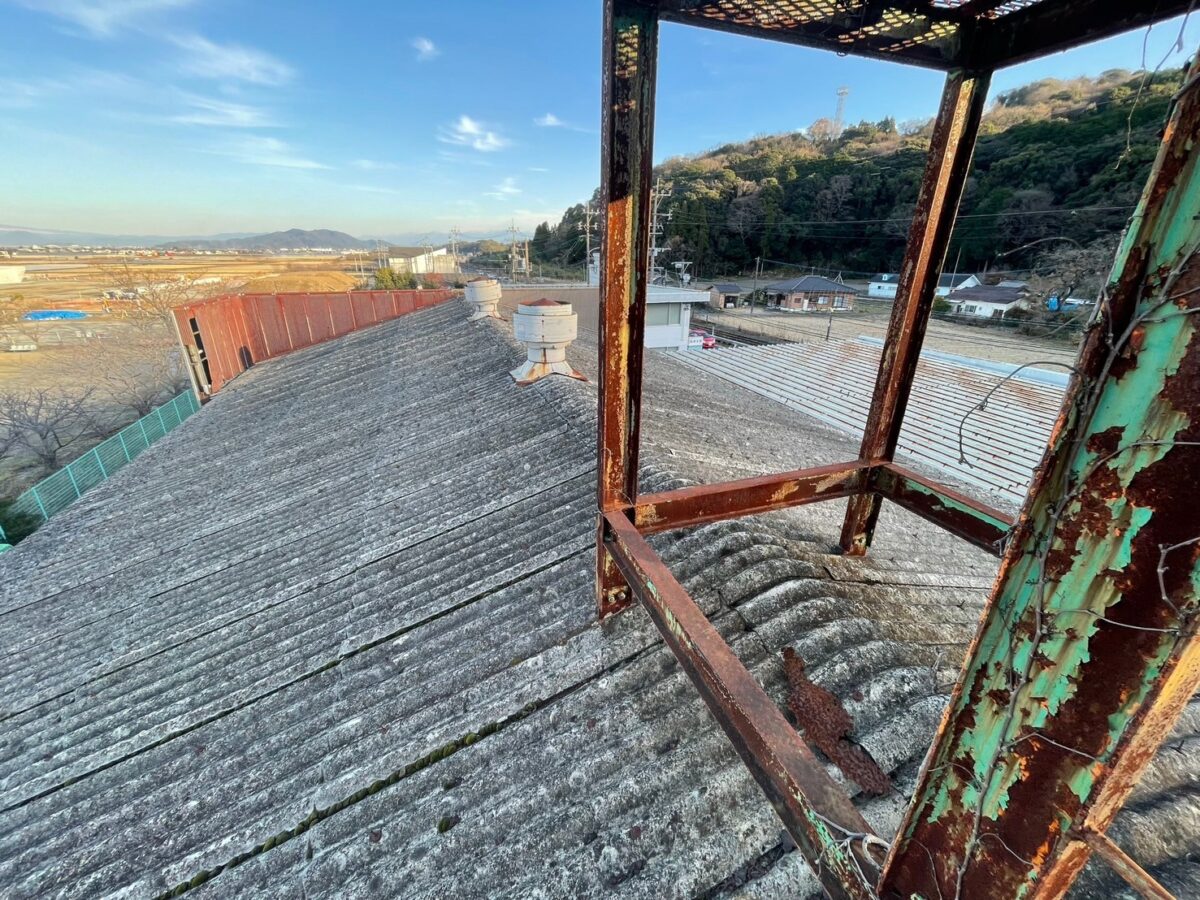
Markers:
point(17, 93)
point(426, 49)
point(372, 165)
point(102, 18)
point(264, 151)
point(467, 132)
point(538, 169)
point(231, 62)
point(506, 188)
point(206, 111)
point(550, 120)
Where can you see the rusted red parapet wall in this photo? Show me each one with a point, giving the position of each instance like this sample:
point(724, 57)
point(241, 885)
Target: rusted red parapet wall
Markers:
point(224, 336)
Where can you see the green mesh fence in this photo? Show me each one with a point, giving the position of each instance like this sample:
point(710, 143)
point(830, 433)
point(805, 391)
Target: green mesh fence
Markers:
point(68, 484)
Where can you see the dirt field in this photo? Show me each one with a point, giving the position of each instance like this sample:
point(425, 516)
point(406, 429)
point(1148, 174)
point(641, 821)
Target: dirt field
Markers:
point(78, 283)
point(70, 353)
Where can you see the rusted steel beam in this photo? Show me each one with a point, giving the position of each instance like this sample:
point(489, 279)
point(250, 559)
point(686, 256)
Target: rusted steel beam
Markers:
point(826, 827)
point(1088, 649)
point(747, 497)
point(629, 68)
point(841, 30)
point(955, 512)
point(950, 151)
point(1050, 27)
point(1121, 863)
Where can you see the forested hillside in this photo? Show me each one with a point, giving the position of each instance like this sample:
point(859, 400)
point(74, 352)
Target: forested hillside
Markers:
point(1055, 159)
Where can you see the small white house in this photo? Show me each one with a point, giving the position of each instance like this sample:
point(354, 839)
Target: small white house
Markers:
point(883, 286)
point(987, 301)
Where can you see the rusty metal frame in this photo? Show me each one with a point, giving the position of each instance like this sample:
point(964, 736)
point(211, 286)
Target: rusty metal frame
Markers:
point(1157, 677)
point(951, 148)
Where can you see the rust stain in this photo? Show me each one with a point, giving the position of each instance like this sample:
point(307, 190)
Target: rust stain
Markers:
point(828, 727)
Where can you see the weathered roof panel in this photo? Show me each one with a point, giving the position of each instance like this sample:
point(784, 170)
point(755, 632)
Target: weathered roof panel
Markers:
point(337, 635)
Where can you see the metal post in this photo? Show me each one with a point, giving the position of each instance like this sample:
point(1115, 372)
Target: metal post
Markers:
point(1089, 648)
point(142, 425)
point(124, 446)
point(161, 421)
point(629, 64)
point(100, 463)
point(41, 506)
point(74, 483)
point(950, 152)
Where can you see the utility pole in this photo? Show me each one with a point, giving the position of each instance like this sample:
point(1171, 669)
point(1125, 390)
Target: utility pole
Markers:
point(587, 231)
point(757, 269)
point(829, 324)
point(512, 251)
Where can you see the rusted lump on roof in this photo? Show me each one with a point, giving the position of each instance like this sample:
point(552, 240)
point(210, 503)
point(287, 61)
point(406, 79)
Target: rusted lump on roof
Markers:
point(827, 726)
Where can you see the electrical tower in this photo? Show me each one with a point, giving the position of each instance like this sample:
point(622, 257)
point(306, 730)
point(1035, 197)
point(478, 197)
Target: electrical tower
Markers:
point(455, 234)
point(658, 193)
point(839, 118)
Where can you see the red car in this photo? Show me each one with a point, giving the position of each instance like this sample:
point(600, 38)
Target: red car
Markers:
point(707, 341)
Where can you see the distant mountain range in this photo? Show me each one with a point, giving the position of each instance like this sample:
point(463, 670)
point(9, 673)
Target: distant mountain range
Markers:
point(292, 239)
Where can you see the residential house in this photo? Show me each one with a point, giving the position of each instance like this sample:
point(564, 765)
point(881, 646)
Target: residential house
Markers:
point(883, 286)
point(725, 295)
point(810, 292)
point(988, 301)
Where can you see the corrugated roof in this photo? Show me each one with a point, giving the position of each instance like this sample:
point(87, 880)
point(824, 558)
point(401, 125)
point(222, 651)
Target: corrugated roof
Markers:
point(336, 636)
point(833, 382)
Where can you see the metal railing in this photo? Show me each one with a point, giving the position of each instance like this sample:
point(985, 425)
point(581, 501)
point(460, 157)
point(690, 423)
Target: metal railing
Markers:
point(54, 493)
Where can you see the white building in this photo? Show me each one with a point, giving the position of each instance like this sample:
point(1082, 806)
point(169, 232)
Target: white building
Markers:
point(421, 261)
point(883, 286)
point(669, 315)
point(987, 301)
point(12, 274)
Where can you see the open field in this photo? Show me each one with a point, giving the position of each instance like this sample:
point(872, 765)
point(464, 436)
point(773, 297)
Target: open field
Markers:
point(119, 357)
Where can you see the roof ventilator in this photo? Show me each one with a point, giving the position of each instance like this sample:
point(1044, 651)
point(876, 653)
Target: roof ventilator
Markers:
point(484, 295)
point(546, 327)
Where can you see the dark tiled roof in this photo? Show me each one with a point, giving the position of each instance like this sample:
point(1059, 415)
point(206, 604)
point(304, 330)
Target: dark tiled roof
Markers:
point(335, 636)
point(988, 294)
point(727, 287)
point(809, 283)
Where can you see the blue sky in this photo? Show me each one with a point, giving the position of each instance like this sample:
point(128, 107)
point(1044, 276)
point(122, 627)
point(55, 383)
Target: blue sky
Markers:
point(387, 118)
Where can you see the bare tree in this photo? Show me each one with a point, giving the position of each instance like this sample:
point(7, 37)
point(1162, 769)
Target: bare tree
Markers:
point(133, 372)
point(148, 302)
point(45, 423)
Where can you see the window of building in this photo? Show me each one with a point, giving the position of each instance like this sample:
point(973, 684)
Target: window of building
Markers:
point(662, 313)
